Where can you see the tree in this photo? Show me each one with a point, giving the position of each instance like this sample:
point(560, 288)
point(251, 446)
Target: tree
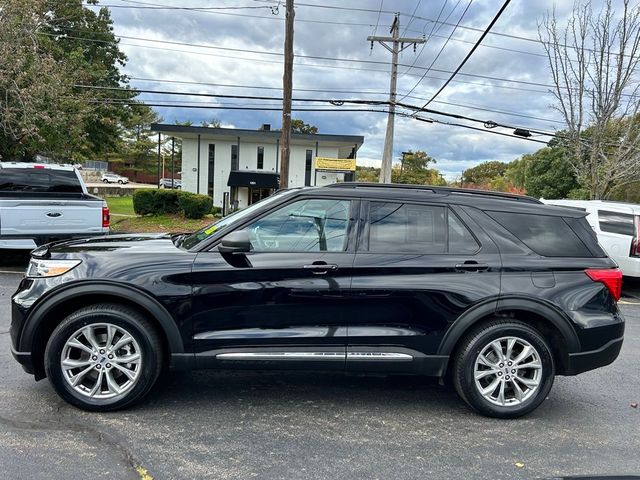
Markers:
point(485, 172)
point(138, 146)
point(548, 173)
point(213, 123)
point(65, 95)
point(299, 126)
point(32, 84)
point(414, 169)
point(593, 62)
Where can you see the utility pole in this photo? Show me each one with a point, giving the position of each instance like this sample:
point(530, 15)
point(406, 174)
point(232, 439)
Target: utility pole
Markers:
point(287, 87)
point(397, 45)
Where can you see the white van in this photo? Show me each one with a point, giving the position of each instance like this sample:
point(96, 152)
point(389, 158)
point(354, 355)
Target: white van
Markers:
point(617, 226)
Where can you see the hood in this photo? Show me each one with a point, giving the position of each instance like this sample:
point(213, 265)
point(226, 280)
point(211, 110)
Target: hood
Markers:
point(125, 243)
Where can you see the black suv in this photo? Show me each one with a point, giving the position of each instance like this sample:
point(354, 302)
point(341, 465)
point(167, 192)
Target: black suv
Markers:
point(496, 292)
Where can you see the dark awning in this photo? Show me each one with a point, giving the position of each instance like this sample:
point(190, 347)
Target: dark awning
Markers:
point(253, 179)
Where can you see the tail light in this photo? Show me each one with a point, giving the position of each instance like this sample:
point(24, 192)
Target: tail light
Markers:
point(611, 277)
point(105, 217)
point(635, 250)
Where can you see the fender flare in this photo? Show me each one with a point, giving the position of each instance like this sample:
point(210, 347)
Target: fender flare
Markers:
point(66, 293)
point(493, 307)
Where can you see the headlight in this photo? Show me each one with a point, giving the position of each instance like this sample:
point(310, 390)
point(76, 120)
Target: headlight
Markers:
point(50, 268)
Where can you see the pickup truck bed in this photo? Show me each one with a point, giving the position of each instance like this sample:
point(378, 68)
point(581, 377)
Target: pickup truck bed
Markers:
point(31, 214)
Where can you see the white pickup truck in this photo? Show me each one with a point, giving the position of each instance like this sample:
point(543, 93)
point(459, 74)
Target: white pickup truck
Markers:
point(41, 203)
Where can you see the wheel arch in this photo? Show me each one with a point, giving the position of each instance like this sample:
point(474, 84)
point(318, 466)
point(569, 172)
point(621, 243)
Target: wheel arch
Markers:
point(54, 308)
point(548, 320)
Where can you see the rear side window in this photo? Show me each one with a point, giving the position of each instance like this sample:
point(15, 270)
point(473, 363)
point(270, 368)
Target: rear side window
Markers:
point(39, 180)
point(400, 227)
point(615, 222)
point(546, 235)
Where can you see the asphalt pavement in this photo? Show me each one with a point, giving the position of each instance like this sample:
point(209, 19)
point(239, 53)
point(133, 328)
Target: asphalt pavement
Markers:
point(239, 425)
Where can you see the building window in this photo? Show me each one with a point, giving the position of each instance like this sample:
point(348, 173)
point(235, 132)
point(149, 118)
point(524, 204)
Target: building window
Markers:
point(234, 157)
point(307, 168)
point(260, 162)
point(212, 166)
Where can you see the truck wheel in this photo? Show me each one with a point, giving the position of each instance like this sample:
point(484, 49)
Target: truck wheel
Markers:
point(103, 357)
point(503, 369)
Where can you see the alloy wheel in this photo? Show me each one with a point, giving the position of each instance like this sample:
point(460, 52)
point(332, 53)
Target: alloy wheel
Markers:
point(101, 361)
point(508, 371)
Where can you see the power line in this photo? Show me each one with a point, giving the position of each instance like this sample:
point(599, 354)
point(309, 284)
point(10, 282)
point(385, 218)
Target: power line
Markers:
point(271, 53)
point(473, 49)
point(429, 37)
point(487, 123)
point(217, 107)
point(444, 45)
point(375, 29)
point(412, 17)
point(359, 92)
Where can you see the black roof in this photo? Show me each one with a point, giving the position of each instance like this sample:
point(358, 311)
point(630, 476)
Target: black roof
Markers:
point(482, 199)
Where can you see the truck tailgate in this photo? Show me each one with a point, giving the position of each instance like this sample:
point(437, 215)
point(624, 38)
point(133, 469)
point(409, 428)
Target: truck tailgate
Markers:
point(28, 216)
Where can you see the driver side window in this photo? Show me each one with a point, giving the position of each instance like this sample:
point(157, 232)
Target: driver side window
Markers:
point(305, 226)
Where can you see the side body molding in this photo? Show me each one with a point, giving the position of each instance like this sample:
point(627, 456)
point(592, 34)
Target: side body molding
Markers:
point(494, 307)
point(67, 293)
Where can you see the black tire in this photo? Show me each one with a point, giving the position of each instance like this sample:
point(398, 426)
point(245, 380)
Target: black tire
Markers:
point(120, 182)
point(105, 181)
point(464, 361)
point(132, 322)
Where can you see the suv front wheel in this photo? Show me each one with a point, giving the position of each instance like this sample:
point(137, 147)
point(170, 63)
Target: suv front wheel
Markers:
point(103, 357)
point(503, 369)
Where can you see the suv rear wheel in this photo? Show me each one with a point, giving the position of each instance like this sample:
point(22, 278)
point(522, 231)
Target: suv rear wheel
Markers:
point(503, 369)
point(103, 357)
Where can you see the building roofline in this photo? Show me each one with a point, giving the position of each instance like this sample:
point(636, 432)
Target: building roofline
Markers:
point(176, 129)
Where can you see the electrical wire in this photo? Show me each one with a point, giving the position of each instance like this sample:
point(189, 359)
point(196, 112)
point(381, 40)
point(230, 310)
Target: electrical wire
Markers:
point(473, 49)
point(444, 45)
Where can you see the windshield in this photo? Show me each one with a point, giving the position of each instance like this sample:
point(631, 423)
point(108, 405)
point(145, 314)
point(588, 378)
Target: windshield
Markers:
point(195, 238)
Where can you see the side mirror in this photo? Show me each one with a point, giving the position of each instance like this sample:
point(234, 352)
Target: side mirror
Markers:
point(236, 242)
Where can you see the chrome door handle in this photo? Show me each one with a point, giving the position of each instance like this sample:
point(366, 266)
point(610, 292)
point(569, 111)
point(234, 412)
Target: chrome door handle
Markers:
point(471, 266)
point(320, 268)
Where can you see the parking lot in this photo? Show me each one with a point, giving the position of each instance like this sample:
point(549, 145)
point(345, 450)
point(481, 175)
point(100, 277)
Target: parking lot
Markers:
point(295, 425)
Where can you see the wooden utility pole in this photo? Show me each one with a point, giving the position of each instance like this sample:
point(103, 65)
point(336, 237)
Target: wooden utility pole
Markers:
point(398, 44)
point(287, 87)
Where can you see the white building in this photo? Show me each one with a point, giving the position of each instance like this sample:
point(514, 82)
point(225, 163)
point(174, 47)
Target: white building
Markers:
point(241, 167)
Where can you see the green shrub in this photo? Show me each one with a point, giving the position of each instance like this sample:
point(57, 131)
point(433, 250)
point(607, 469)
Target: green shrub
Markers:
point(143, 202)
point(161, 202)
point(193, 205)
point(166, 201)
point(216, 211)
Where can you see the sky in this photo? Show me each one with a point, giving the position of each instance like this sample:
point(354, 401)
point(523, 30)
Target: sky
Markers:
point(233, 48)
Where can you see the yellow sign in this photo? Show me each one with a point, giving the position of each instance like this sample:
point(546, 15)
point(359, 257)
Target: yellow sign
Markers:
point(337, 164)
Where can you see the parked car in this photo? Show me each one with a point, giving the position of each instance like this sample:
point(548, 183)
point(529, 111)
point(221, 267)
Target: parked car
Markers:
point(617, 226)
point(167, 183)
point(114, 178)
point(497, 292)
point(40, 203)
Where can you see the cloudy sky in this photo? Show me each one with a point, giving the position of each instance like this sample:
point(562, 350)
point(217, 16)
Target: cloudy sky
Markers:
point(223, 50)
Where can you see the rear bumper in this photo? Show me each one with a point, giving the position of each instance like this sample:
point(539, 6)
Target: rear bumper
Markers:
point(589, 360)
point(29, 242)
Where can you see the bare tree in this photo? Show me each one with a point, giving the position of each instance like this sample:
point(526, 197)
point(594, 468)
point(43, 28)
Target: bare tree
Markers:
point(593, 61)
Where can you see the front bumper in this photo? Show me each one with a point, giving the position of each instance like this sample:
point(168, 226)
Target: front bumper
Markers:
point(589, 360)
point(24, 359)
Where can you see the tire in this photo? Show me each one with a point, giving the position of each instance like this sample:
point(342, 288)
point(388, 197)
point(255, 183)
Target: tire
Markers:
point(121, 384)
point(518, 398)
point(105, 181)
point(120, 182)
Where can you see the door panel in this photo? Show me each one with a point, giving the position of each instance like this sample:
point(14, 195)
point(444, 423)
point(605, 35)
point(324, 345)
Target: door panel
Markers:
point(278, 307)
point(404, 300)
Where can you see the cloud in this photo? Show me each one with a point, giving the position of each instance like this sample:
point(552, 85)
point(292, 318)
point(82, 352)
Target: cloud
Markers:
point(329, 33)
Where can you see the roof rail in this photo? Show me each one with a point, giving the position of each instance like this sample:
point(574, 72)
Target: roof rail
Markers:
point(438, 190)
